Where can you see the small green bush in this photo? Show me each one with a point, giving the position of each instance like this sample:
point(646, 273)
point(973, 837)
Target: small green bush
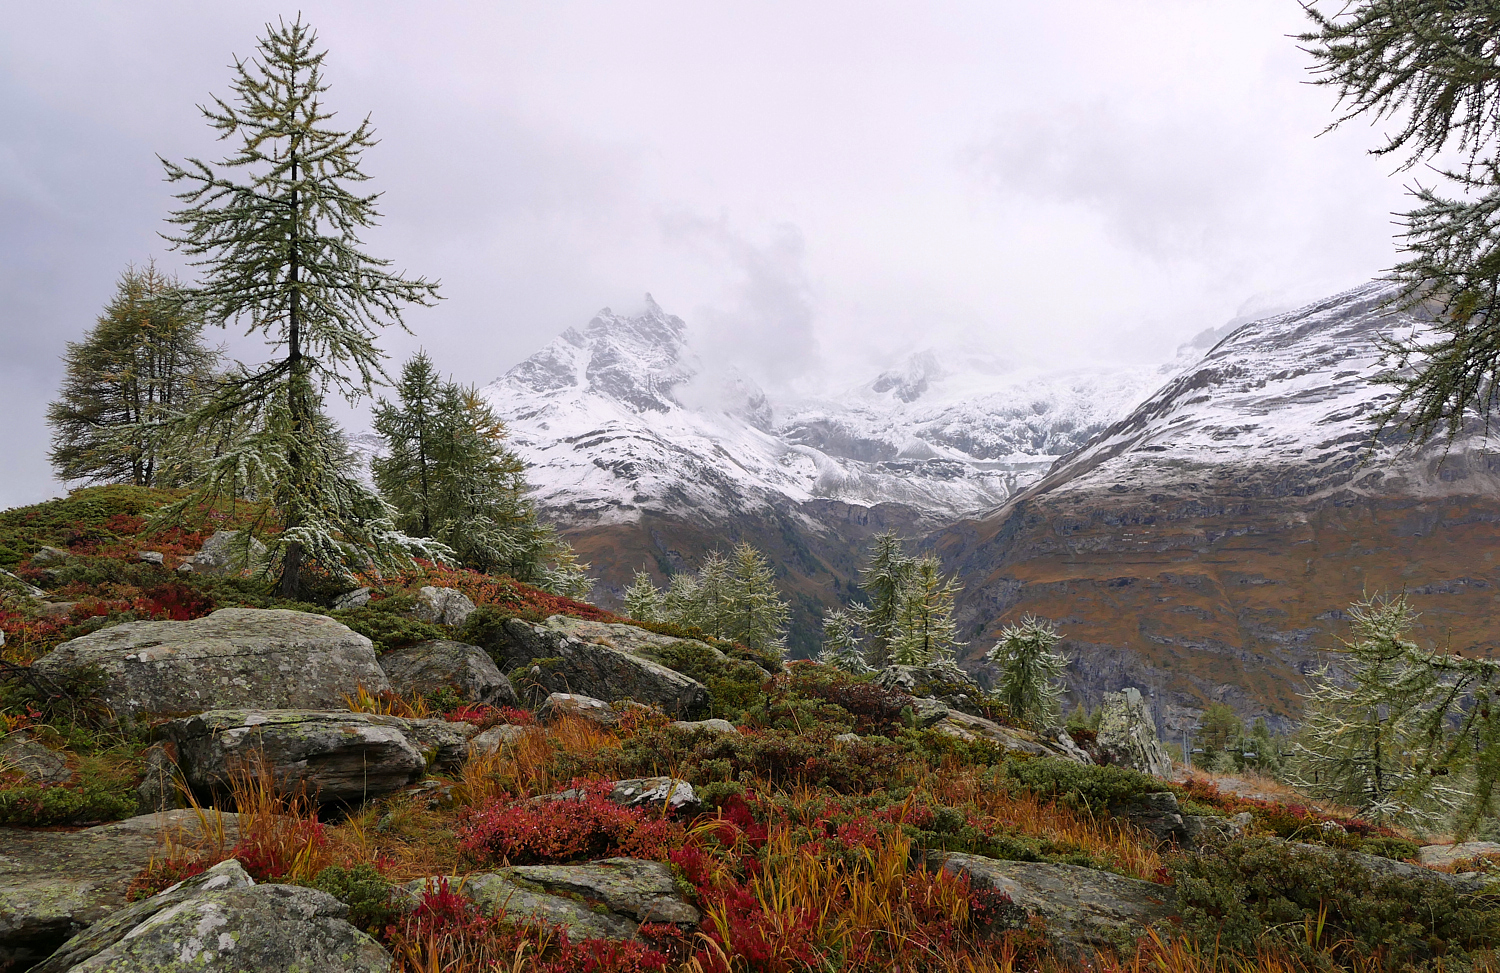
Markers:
point(103, 790)
point(389, 624)
point(1080, 786)
point(364, 890)
point(733, 684)
point(1263, 892)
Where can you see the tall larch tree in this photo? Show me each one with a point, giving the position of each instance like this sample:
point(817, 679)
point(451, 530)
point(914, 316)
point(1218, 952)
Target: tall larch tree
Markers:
point(142, 363)
point(1431, 68)
point(883, 579)
point(274, 230)
point(757, 617)
point(924, 622)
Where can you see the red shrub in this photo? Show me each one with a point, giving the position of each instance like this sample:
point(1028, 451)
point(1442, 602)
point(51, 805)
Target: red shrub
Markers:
point(591, 826)
point(484, 716)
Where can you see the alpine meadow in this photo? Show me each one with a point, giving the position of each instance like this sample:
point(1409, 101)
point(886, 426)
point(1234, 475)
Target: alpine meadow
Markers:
point(957, 585)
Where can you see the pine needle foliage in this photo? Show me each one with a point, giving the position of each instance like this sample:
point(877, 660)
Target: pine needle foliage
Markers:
point(274, 229)
point(734, 598)
point(142, 363)
point(884, 578)
point(757, 616)
point(1030, 671)
point(1377, 734)
point(841, 643)
point(1432, 67)
point(643, 599)
point(924, 631)
point(450, 476)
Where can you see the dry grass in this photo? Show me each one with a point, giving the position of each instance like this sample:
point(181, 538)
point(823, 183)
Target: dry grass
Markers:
point(523, 767)
point(413, 707)
point(1106, 840)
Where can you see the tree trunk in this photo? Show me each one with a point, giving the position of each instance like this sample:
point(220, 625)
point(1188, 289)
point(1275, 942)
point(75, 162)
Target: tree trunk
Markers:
point(291, 562)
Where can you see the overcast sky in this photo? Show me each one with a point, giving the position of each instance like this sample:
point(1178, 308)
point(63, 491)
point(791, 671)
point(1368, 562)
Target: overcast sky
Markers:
point(818, 188)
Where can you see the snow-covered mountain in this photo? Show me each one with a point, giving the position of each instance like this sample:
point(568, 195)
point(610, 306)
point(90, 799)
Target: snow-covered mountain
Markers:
point(622, 417)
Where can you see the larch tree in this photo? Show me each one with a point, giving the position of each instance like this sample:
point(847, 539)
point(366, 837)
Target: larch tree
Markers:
point(449, 476)
point(142, 363)
point(884, 578)
point(841, 643)
point(1432, 69)
point(924, 630)
point(757, 617)
point(1030, 671)
point(643, 599)
point(274, 229)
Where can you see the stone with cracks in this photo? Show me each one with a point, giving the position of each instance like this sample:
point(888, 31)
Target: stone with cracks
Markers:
point(228, 924)
point(1442, 856)
point(715, 726)
point(1085, 909)
point(339, 756)
point(216, 559)
point(966, 727)
point(54, 884)
point(652, 793)
point(489, 741)
point(432, 666)
point(36, 764)
point(443, 606)
point(558, 705)
point(1127, 735)
point(236, 657)
point(562, 657)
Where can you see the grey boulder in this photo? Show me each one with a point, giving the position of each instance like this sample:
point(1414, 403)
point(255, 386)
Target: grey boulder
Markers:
point(443, 606)
point(222, 921)
point(1085, 909)
point(54, 884)
point(558, 705)
point(606, 899)
point(967, 727)
point(36, 764)
point(441, 664)
point(1127, 735)
point(235, 657)
point(338, 756)
point(219, 556)
point(564, 656)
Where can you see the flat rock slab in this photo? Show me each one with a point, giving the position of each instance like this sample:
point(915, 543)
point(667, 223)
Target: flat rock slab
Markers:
point(222, 921)
point(442, 664)
point(338, 756)
point(966, 727)
point(1441, 856)
point(236, 657)
point(55, 883)
point(562, 657)
point(606, 899)
point(1085, 909)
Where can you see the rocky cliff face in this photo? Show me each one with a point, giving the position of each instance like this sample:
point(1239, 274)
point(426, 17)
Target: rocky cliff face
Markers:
point(1207, 545)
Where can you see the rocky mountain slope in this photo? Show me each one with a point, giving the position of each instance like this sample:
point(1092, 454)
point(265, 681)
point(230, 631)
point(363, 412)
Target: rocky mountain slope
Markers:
point(650, 458)
point(1207, 544)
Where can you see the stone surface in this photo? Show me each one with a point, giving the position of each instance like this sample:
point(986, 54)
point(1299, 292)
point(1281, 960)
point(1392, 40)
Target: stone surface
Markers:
point(1060, 738)
point(1085, 909)
point(443, 606)
point(705, 726)
point(151, 557)
point(36, 764)
point(1159, 815)
point(1388, 866)
point(568, 662)
point(653, 793)
point(235, 657)
point(11, 583)
point(1442, 856)
point(645, 891)
point(338, 756)
point(491, 740)
point(217, 559)
point(1127, 735)
point(228, 924)
point(432, 666)
point(358, 598)
point(443, 744)
point(50, 557)
point(928, 711)
point(162, 786)
point(495, 894)
point(558, 705)
point(53, 884)
point(967, 727)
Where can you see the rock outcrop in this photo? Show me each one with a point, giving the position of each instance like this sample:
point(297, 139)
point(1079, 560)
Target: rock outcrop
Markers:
point(1127, 735)
point(235, 657)
point(54, 884)
point(1085, 909)
point(966, 727)
point(564, 656)
point(222, 920)
point(36, 764)
point(337, 756)
point(432, 666)
point(606, 899)
point(218, 557)
point(443, 606)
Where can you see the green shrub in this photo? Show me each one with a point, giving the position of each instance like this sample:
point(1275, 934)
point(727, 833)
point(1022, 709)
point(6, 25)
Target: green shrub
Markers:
point(1080, 786)
point(1396, 848)
point(103, 790)
point(364, 890)
point(733, 684)
point(389, 624)
point(1261, 892)
point(82, 515)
